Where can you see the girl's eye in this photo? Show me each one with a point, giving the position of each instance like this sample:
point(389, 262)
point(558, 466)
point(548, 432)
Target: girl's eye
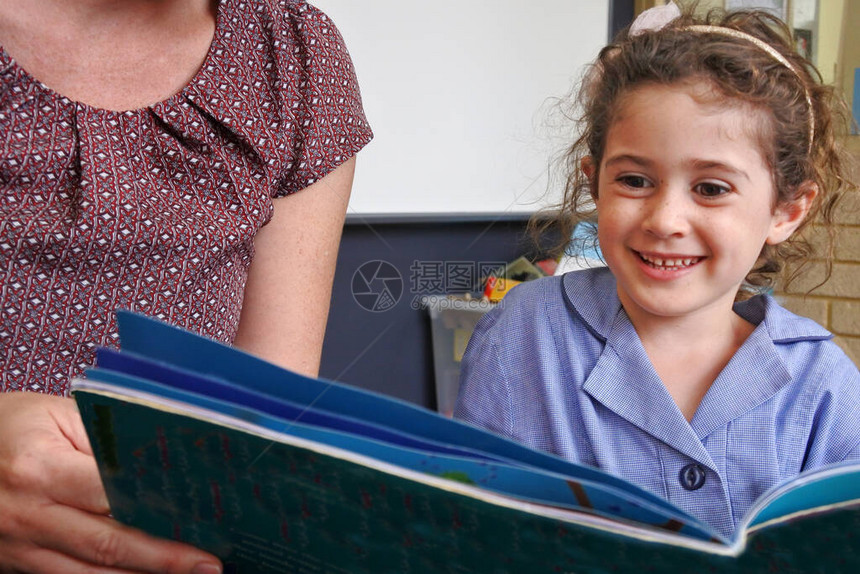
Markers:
point(634, 181)
point(710, 189)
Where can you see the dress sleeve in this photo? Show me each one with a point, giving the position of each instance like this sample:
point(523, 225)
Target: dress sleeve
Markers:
point(323, 91)
point(484, 398)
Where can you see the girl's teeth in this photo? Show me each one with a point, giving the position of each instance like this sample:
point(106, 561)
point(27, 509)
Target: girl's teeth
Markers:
point(670, 262)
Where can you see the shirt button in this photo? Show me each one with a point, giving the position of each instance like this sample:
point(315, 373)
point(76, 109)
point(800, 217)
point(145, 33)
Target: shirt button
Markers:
point(692, 477)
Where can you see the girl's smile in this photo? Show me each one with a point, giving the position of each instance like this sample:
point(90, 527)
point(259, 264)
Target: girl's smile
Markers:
point(685, 201)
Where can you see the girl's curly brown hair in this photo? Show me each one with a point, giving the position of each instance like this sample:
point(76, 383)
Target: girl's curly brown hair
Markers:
point(737, 71)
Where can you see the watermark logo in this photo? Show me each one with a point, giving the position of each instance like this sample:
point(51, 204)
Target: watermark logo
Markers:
point(377, 286)
point(445, 277)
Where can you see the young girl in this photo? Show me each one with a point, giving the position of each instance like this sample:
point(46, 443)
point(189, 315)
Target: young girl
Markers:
point(707, 147)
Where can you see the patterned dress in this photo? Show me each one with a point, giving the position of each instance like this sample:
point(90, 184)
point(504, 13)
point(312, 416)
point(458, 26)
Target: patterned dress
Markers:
point(156, 209)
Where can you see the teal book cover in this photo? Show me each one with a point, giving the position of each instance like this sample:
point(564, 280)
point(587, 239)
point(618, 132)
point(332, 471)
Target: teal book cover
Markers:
point(202, 452)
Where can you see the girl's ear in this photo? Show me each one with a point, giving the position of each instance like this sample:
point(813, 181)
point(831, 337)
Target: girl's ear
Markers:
point(590, 171)
point(788, 216)
point(587, 166)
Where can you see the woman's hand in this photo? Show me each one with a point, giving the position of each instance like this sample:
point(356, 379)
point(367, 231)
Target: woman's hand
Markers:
point(53, 508)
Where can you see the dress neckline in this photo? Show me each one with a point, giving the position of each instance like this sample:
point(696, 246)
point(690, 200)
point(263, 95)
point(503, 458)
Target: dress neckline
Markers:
point(7, 63)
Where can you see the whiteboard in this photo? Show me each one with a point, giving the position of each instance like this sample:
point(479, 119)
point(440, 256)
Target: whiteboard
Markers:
point(458, 94)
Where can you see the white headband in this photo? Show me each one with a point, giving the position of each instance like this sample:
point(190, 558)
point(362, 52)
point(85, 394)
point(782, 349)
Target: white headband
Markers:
point(658, 17)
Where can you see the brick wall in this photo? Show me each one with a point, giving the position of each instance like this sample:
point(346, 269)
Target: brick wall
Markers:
point(836, 304)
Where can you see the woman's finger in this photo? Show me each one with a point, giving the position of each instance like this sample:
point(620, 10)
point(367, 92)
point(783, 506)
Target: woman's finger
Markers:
point(101, 541)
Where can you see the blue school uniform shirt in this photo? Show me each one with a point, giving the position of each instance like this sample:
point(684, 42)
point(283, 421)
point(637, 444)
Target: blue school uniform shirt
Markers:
point(559, 367)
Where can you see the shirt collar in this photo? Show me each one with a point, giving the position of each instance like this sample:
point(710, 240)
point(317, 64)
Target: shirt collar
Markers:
point(592, 295)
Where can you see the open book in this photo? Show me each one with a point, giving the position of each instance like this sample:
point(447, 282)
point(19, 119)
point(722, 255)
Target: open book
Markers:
point(276, 472)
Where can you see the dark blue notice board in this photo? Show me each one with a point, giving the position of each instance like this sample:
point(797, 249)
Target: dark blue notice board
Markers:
point(376, 336)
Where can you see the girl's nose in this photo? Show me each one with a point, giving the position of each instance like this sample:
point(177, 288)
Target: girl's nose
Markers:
point(667, 214)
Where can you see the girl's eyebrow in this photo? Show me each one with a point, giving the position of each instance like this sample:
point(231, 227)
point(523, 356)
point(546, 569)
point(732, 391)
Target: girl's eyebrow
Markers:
point(626, 157)
point(722, 166)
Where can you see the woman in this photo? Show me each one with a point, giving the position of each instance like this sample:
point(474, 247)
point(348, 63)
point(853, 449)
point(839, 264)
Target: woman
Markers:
point(188, 159)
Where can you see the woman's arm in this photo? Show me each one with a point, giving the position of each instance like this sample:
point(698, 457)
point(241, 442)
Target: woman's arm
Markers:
point(288, 292)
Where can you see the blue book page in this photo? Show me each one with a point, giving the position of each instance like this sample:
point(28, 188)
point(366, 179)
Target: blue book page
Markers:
point(528, 484)
point(164, 343)
point(834, 484)
point(142, 368)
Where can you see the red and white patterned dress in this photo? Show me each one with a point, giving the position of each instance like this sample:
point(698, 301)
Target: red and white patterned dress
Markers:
point(156, 209)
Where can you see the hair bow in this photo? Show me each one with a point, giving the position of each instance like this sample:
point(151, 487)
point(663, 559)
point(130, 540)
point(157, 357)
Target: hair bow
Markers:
point(654, 18)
